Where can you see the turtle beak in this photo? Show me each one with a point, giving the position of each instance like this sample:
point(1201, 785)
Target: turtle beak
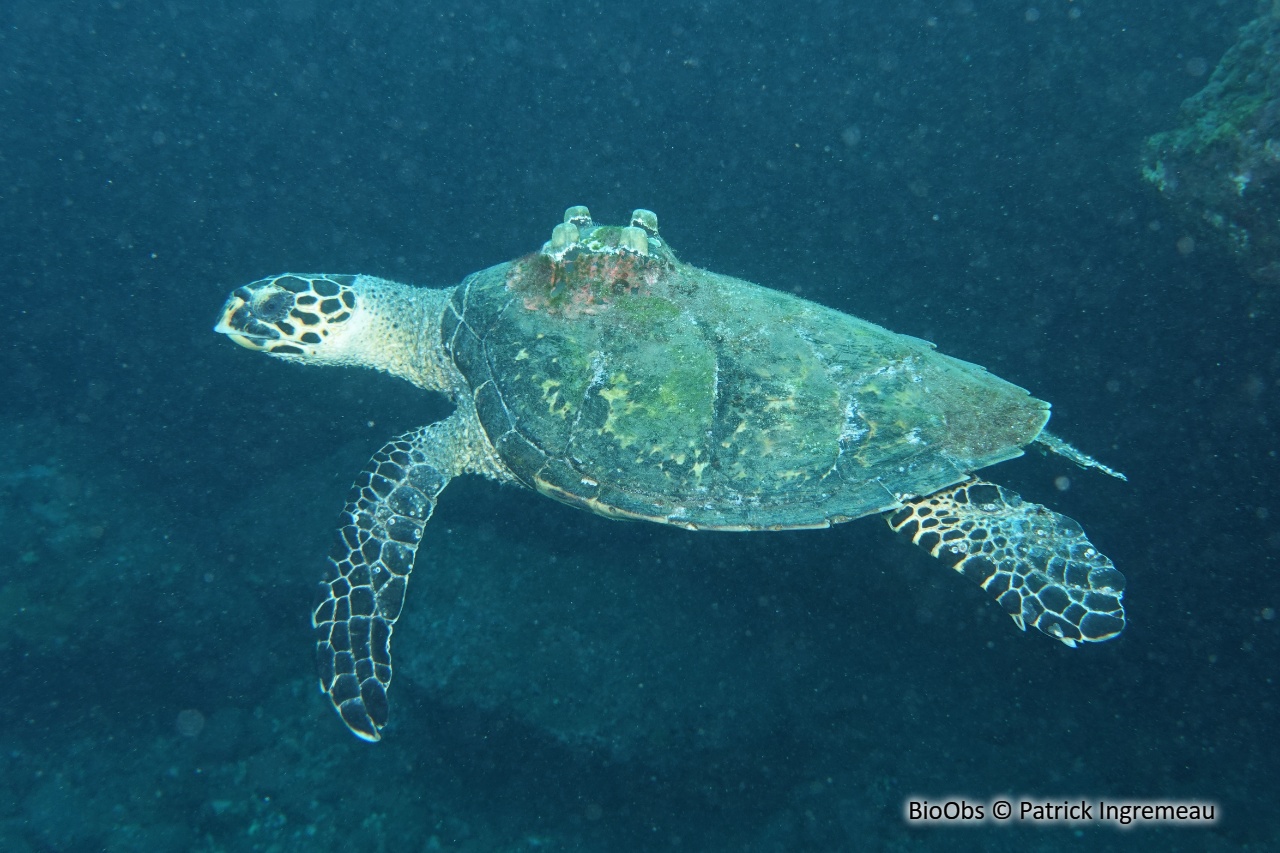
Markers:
point(238, 323)
point(247, 343)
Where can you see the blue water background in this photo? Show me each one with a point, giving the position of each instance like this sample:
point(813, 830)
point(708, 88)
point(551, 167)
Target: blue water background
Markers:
point(962, 171)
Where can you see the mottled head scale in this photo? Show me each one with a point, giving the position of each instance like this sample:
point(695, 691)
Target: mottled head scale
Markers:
point(288, 314)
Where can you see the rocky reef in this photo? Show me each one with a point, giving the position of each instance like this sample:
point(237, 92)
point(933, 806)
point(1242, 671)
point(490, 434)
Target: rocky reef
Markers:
point(1219, 168)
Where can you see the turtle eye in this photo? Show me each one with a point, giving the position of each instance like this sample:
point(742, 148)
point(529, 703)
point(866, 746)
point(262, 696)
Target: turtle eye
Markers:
point(273, 305)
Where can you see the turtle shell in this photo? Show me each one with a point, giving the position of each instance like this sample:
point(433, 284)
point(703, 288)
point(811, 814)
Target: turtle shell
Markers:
point(609, 375)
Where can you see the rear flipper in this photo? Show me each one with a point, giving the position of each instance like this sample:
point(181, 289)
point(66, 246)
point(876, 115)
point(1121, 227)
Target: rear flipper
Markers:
point(1036, 563)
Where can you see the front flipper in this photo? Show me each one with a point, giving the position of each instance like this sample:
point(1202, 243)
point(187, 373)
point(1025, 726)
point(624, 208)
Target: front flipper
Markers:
point(1036, 563)
point(378, 535)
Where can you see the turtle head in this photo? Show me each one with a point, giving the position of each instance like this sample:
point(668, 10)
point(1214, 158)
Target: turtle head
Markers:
point(343, 320)
point(299, 316)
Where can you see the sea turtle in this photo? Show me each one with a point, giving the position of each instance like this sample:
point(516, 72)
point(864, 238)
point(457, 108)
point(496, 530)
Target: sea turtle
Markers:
point(603, 372)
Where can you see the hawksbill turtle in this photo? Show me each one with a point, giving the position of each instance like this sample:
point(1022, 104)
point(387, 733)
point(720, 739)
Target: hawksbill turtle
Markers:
point(605, 373)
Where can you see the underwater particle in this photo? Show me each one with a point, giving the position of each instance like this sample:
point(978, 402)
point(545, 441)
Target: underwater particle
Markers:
point(189, 722)
point(1062, 483)
point(1186, 244)
point(1032, 15)
point(1254, 387)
